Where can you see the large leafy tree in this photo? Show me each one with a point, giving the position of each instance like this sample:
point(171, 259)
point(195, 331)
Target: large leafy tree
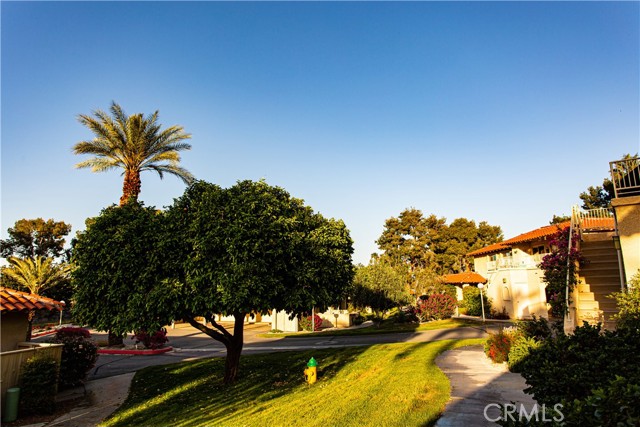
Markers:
point(249, 249)
point(35, 238)
point(133, 143)
point(119, 266)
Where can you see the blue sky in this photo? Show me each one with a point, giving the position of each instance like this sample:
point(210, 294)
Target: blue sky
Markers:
point(498, 112)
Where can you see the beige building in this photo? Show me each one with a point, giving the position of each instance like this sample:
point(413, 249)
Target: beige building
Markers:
point(514, 281)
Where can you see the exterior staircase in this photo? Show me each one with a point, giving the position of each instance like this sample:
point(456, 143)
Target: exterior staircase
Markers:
point(598, 278)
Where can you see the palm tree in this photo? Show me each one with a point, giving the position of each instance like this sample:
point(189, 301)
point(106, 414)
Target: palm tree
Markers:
point(36, 275)
point(135, 144)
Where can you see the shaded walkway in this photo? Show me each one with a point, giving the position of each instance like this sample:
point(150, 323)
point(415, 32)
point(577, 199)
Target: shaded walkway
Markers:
point(102, 397)
point(475, 383)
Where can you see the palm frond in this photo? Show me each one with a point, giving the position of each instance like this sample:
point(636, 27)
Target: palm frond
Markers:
point(172, 169)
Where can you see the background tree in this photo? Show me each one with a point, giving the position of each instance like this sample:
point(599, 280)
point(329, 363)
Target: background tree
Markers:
point(409, 239)
point(35, 238)
point(599, 196)
point(249, 249)
point(118, 271)
point(134, 143)
point(559, 219)
point(380, 287)
point(427, 247)
point(458, 239)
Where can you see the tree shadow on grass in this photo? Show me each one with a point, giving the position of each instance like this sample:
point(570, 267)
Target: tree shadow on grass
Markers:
point(196, 388)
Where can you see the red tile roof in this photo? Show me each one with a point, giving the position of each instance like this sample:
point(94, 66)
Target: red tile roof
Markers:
point(12, 300)
point(537, 234)
point(462, 278)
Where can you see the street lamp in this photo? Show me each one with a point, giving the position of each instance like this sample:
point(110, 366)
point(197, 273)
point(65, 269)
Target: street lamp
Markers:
point(481, 287)
point(61, 308)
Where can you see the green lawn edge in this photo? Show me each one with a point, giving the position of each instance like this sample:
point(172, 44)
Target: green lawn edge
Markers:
point(385, 328)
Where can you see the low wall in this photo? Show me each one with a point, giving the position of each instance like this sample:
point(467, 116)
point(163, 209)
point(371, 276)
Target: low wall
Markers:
point(11, 362)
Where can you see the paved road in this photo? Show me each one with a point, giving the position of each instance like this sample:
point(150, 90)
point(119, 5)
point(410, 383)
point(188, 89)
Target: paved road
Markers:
point(190, 344)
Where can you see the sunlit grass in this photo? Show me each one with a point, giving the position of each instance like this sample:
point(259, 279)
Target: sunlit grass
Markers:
point(386, 328)
point(389, 384)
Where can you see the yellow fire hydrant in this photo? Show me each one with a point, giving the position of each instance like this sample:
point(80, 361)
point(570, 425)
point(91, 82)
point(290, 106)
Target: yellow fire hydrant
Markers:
point(311, 373)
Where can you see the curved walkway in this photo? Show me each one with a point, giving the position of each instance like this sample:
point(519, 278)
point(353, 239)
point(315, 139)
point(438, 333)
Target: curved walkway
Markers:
point(476, 384)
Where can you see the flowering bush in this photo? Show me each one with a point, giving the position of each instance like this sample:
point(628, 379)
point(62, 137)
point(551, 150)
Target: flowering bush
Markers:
point(71, 331)
point(79, 355)
point(498, 345)
point(305, 323)
point(554, 266)
point(153, 341)
point(436, 307)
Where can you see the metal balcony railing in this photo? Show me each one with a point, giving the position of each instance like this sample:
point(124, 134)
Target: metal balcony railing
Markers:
point(600, 219)
point(625, 175)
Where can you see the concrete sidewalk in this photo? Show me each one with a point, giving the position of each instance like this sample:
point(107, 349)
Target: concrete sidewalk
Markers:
point(478, 384)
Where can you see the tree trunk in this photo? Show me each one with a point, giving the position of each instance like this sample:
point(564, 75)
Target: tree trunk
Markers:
point(32, 314)
point(234, 349)
point(131, 186)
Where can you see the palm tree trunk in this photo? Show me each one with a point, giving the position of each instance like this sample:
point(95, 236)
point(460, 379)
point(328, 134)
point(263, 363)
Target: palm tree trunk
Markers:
point(131, 186)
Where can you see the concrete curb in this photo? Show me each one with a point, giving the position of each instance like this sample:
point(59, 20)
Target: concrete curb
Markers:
point(135, 352)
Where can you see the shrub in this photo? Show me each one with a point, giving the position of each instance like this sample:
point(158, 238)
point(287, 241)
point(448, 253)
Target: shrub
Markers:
point(71, 331)
point(358, 320)
point(519, 351)
point(305, 323)
point(500, 315)
point(471, 301)
point(629, 305)
point(407, 314)
point(79, 355)
point(616, 404)
point(536, 328)
point(436, 307)
point(498, 345)
point(153, 341)
point(38, 386)
point(570, 366)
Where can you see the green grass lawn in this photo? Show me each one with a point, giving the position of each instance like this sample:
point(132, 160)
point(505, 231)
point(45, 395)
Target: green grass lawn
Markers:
point(381, 385)
point(388, 327)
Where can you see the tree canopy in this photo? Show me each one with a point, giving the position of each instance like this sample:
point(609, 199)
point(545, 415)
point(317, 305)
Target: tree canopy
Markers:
point(249, 249)
point(35, 238)
point(134, 143)
point(419, 242)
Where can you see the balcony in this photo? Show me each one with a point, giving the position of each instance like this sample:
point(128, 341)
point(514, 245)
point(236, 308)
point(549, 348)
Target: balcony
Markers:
point(511, 263)
point(625, 176)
